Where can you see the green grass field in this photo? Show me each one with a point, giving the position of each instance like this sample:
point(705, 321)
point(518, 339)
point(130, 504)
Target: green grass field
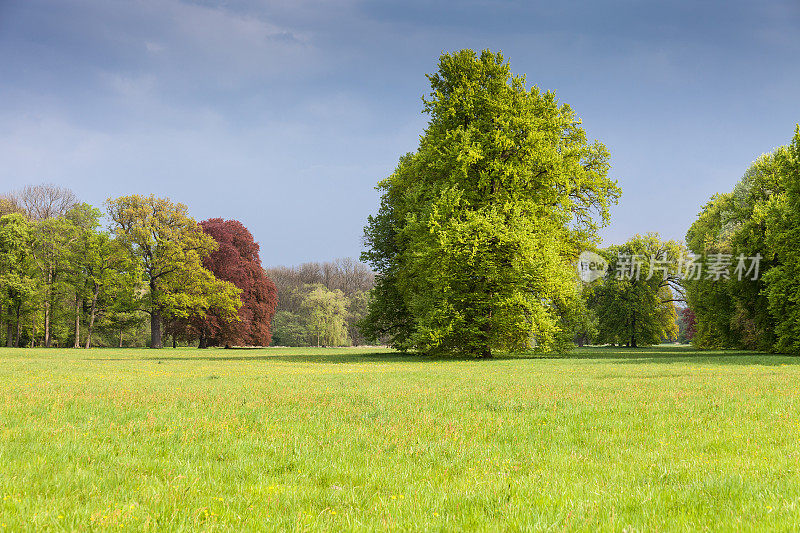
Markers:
point(350, 439)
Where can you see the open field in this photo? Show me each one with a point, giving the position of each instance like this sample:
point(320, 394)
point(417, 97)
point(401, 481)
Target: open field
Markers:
point(648, 439)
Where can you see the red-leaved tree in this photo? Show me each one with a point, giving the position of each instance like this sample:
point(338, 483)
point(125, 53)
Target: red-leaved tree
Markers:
point(237, 260)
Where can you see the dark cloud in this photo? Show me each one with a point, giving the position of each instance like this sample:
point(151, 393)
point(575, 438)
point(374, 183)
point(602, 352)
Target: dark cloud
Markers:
point(285, 113)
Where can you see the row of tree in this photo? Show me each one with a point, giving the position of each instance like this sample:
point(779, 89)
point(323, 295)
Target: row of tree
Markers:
point(759, 217)
point(63, 277)
point(321, 303)
point(473, 247)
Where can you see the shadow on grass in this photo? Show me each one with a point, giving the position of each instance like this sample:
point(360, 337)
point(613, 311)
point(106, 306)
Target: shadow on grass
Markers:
point(679, 354)
point(650, 355)
point(309, 357)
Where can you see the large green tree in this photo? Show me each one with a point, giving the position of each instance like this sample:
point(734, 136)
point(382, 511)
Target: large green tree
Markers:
point(170, 247)
point(478, 229)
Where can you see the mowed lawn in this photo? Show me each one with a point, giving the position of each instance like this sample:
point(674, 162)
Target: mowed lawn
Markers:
point(355, 439)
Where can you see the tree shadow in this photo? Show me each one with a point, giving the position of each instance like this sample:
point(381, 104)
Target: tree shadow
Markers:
point(629, 356)
point(325, 358)
point(681, 355)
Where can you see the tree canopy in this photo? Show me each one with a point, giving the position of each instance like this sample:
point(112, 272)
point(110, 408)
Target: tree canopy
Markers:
point(477, 230)
point(757, 220)
point(236, 260)
point(170, 247)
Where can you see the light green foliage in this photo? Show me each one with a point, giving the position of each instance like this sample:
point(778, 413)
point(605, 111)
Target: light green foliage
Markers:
point(782, 217)
point(17, 285)
point(477, 231)
point(311, 439)
point(170, 247)
point(107, 277)
point(632, 309)
point(325, 314)
point(757, 218)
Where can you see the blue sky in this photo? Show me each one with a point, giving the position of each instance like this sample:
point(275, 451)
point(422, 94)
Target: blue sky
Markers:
point(285, 114)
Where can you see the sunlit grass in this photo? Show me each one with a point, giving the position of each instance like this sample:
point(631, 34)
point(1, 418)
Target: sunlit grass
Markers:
point(649, 439)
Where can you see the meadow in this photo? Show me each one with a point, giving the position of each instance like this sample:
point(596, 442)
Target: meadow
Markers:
point(658, 439)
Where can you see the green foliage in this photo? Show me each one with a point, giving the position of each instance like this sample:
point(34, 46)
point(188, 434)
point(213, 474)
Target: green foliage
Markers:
point(17, 285)
point(759, 217)
point(634, 304)
point(289, 329)
point(477, 230)
point(170, 247)
point(325, 314)
point(782, 217)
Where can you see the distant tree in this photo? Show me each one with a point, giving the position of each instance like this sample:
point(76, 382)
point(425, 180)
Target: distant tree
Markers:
point(170, 247)
point(353, 278)
point(325, 313)
point(583, 321)
point(40, 202)
point(52, 240)
point(17, 286)
point(9, 204)
point(477, 232)
point(686, 325)
point(237, 260)
point(289, 329)
point(635, 304)
point(102, 270)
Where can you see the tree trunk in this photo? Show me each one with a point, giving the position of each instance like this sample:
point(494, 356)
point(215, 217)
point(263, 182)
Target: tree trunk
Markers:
point(78, 303)
point(120, 336)
point(174, 342)
point(16, 338)
point(155, 329)
point(203, 344)
point(486, 330)
point(91, 318)
point(47, 324)
point(47, 308)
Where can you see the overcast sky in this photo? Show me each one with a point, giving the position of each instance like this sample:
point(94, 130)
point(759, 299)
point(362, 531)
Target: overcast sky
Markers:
point(285, 114)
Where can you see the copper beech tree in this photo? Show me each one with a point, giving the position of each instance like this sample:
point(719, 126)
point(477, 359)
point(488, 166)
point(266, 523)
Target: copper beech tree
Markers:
point(237, 261)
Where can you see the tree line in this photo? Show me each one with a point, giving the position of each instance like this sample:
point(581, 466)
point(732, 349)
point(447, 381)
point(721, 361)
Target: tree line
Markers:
point(66, 281)
point(760, 216)
point(321, 303)
point(472, 251)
